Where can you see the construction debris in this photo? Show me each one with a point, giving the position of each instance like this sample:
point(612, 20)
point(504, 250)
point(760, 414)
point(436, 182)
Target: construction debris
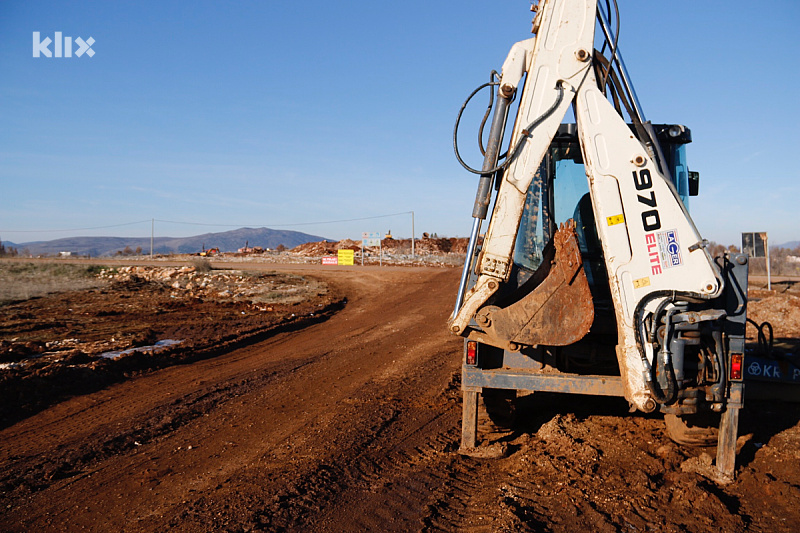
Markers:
point(427, 251)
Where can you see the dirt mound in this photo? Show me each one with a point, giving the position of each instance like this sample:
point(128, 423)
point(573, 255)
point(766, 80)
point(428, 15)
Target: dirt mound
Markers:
point(782, 310)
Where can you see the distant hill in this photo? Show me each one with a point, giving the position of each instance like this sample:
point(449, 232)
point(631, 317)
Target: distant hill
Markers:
point(791, 245)
point(228, 241)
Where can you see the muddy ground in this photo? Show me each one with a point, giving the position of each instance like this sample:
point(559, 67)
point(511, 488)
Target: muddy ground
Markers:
point(345, 417)
point(134, 319)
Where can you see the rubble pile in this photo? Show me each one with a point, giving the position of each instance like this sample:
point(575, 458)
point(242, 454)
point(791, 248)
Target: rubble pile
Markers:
point(431, 250)
point(321, 248)
point(434, 246)
point(189, 281)
point(150, 309)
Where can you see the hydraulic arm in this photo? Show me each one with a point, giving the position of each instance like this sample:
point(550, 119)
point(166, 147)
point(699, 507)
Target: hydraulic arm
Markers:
point(638, 213)
point(668, 295)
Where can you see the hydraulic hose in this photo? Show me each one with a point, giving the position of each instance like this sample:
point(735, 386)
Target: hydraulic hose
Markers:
point(483, 122)
point(492, 77)
point(718, 389)
point(764, 345)
point(663, 364)
point(518, 146)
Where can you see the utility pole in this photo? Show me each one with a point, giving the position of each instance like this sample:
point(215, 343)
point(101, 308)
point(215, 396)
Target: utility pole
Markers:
point(766, 256)
point(152, 230)
point(412, 234)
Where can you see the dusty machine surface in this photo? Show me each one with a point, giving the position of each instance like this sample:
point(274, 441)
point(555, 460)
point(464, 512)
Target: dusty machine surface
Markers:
point(591, 277)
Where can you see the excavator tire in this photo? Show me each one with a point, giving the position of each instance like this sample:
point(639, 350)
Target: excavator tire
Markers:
point(497, 412)
point(693, 430)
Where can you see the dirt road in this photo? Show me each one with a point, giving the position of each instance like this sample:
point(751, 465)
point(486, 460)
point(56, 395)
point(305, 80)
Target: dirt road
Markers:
point(352, 424)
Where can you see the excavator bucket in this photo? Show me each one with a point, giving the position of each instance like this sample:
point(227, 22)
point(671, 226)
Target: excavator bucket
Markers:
point(557, 312)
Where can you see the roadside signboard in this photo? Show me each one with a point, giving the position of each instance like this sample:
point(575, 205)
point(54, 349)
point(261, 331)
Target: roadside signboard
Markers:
point(754, 244)
point(346, 257)
point(330, 260)
point(371, 239)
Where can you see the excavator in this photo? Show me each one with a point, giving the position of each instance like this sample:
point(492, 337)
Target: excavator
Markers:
point(591, 277)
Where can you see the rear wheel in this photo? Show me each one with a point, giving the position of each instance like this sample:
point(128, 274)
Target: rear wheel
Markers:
point(693, 430)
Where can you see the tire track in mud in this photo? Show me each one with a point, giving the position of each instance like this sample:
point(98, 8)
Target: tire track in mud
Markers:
point(401, 471)
point(385, 478)
point(33, 473)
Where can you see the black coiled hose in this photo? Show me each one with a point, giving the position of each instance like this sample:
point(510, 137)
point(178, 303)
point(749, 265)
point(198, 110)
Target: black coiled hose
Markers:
point(525, 132)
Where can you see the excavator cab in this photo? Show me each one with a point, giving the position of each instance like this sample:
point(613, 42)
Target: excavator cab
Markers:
point(559, 192)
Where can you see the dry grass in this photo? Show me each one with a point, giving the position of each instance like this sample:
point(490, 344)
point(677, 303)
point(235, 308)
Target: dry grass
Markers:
point(282, 288)
point(201, 264)
point(21, 281)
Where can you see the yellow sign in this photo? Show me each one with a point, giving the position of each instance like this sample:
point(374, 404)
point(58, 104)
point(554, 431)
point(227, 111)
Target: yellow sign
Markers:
point(346, 257)
point(641, 282)
point(616, 219)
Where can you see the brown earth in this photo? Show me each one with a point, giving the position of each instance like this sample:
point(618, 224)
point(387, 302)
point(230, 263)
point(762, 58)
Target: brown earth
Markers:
point(352, 423)
point(78, 341)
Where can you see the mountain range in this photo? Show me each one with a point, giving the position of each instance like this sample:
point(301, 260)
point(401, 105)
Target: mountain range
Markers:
point(228, 241)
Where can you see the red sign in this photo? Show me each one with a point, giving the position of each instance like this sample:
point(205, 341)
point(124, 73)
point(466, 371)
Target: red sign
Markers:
point(330, 260)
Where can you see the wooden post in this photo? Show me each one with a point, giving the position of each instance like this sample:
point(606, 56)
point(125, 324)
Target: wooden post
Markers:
point(469, 419)
point(728, 432)
point(726, 445)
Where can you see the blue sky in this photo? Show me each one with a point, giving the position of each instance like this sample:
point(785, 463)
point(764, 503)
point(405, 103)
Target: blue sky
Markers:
point(283, 114)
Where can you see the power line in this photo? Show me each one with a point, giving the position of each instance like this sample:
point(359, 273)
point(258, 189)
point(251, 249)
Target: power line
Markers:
point(283, 225)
